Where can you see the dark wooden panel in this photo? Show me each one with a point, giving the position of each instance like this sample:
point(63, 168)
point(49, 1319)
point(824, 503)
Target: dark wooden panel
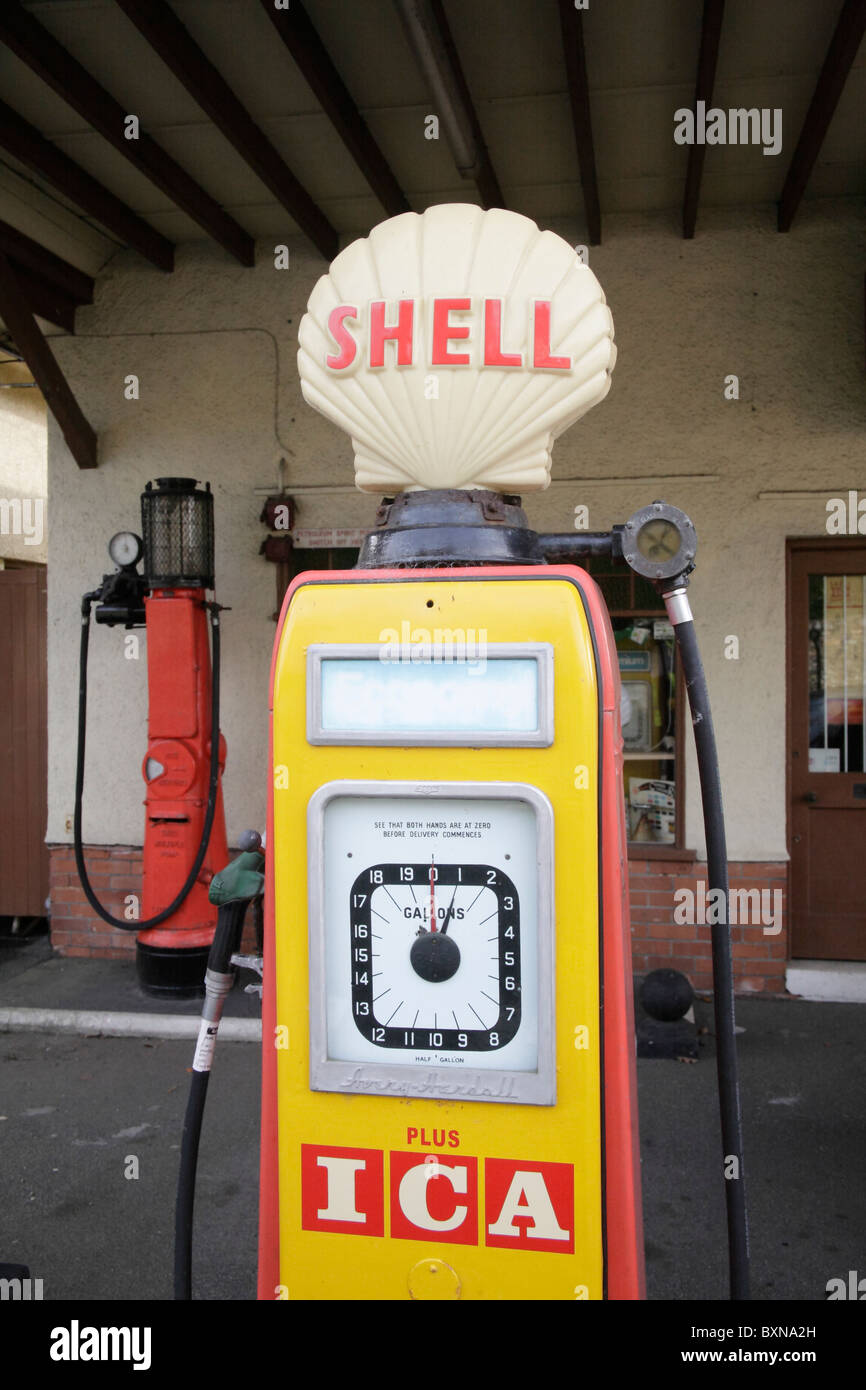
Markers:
point(23, 743)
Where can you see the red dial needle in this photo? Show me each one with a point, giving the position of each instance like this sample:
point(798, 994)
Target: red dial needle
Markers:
point(432, 897)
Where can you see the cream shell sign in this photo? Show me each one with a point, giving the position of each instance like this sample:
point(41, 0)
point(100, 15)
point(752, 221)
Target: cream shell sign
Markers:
point(454, 347)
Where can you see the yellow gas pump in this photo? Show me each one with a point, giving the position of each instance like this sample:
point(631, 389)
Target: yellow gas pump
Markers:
point(445, 740)
point(449, 1099)
point(449, 1085)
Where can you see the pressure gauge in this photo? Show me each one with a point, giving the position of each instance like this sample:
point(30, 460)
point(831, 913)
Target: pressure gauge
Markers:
point(659, 542)
point(432, 940)
point(125, 548)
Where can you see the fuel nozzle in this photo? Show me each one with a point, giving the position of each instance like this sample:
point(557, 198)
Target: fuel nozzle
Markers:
point(232, 889)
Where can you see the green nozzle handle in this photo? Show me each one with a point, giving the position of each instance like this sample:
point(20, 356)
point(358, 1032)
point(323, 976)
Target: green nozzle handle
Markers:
point(242, 879)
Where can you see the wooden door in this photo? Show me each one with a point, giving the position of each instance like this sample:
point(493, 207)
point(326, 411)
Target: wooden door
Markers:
point(23, 743)
point(827, 765)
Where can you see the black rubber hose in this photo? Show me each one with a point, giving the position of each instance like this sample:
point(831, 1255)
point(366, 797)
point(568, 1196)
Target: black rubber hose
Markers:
point(723, 976)
point(192, 1122)
point(227, 938)
point(79, 779)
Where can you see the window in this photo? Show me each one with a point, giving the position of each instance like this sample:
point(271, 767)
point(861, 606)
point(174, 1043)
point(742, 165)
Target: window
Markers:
point(651, 707)
point(304, 560)
point(837, 672)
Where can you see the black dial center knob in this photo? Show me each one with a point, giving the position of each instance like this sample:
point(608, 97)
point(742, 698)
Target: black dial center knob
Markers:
point(435, 957)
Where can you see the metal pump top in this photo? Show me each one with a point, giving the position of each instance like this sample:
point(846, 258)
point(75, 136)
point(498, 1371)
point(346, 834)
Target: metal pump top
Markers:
point(455, 526)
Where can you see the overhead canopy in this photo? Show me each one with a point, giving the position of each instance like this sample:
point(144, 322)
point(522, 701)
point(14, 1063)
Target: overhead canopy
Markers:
point(143, 124)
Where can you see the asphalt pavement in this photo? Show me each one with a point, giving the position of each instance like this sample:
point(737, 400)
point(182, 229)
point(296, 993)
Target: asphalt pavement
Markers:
point(90, 1131)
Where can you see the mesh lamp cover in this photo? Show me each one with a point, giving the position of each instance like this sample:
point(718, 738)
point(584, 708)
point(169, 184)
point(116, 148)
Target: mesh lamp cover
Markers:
point(177, 525)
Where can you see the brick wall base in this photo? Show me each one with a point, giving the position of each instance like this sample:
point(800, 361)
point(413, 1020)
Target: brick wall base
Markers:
point(115, 874)
point(657, 939)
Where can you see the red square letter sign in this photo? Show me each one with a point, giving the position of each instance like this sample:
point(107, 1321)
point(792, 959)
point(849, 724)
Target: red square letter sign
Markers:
point(529, 1206)
point(434, 1198)
point(342, 1190)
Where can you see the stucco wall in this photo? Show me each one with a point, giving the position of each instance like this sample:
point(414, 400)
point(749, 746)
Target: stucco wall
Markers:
point(213, 346)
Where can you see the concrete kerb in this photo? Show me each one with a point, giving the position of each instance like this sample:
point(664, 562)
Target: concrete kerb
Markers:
point(107, 1024)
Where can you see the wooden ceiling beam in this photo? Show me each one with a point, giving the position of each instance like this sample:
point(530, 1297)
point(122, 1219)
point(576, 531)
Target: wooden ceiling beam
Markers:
point(708, 56)
point(309, 53)
point(485, 178)
point(42, 53)
point(429, 37)
point(26, 252)
point(840, 57)
point(45, 299)
point(21, 139)
point(571, 23)
point(167, 36)
point(24, 330)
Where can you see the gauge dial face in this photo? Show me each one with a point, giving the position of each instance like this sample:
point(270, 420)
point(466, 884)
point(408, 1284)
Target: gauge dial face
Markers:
point(125, 548)
point(659, 540)
point(430, 930)
point(435, 956)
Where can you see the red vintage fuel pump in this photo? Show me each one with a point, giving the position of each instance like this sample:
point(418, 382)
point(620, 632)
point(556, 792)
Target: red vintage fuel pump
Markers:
point(184, 838)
